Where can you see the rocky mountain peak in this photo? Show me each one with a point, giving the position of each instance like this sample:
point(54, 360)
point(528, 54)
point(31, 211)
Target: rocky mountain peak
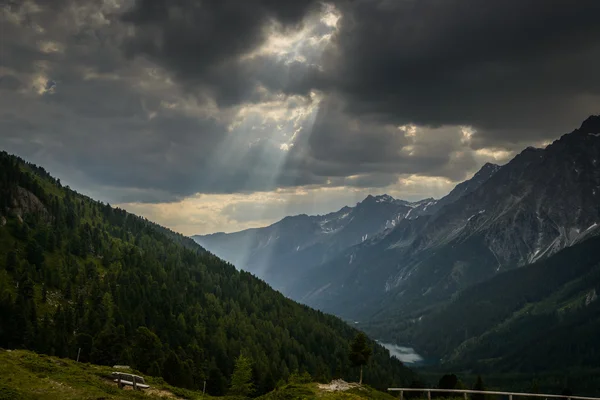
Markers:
point(488, 166)
point(370, 199)
point(591, 125)
point(384, 198)
point(486, 171)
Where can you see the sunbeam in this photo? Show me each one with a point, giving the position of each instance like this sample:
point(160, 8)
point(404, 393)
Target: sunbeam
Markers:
point(268, 134)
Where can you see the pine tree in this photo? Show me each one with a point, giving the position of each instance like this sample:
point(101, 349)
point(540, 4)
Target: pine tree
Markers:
point(478, 386)
point(147, 350)
point(360, 352)
point(567, 393)
point(154, 369)
point(216, 384)
point(241, 380)
point(173, 369)
point(11, 261)
point(448, 381)
point(44, 293)
point(535, 387)
point(84, 342)
point(35, 253)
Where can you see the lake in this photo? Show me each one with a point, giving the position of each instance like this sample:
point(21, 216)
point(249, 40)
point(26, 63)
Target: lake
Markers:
point(407, 355)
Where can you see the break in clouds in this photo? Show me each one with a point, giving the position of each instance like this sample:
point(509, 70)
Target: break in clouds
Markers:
point(167, 104)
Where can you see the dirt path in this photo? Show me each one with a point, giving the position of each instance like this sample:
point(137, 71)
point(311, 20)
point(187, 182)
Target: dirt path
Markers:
point(337, 385)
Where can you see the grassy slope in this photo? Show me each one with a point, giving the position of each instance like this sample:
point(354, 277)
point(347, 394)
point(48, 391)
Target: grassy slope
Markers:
point(311, 391)
point(25, 375)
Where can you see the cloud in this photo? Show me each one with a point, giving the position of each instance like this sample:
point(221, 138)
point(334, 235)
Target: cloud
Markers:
point(202, 214)
point(515, 70)
point(10, 82)
point(150, 103)
point(208, 45)
point(131, 126)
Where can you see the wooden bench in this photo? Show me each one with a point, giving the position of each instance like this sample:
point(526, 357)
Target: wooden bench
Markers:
point(123, 379)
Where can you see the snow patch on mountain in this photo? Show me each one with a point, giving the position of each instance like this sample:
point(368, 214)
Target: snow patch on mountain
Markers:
point(476, 214)
point(384, 199)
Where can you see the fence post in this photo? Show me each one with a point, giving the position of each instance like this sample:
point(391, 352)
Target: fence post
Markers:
point(134, 383)
point(402, 395)
point(428, 394)
point(465, 395)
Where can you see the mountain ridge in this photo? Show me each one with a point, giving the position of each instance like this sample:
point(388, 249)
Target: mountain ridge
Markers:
point(383, 213)
point(311, 247)
point(301, 241)
point(501, 224)
point(503, 217)
point(545, 298)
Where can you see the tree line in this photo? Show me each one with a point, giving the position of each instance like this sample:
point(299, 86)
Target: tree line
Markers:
point(79, 274)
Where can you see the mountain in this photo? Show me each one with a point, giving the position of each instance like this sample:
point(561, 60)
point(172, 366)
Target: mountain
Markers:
point(290, 253)
point(79, 278)
point(466, 187)
point(537, 204)
point(494, 276)
point(278, 253)
point(541, 317)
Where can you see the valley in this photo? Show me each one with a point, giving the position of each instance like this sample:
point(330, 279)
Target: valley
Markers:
point(80, 279)
point(299, 200)
point(433, 285)
point(508, 258)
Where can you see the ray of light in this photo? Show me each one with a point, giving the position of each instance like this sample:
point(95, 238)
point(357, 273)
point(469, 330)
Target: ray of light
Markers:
point(264, 136)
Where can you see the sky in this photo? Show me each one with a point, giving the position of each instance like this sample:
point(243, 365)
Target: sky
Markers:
point(209, 116)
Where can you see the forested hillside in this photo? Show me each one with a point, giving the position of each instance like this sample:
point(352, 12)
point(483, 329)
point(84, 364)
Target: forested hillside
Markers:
point(540, 317)
point(76, 273)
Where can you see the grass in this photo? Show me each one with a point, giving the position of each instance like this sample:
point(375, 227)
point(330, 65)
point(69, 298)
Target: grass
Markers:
point(25, 375)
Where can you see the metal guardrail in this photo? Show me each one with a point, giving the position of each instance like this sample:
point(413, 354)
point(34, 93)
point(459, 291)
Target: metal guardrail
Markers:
point(509, 394)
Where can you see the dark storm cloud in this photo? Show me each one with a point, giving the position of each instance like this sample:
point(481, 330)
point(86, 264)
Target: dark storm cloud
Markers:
point(340, 145)
point(206, 55)
point(509, 67)
point(201, 42)
point(519, 72)
point(10, 82)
